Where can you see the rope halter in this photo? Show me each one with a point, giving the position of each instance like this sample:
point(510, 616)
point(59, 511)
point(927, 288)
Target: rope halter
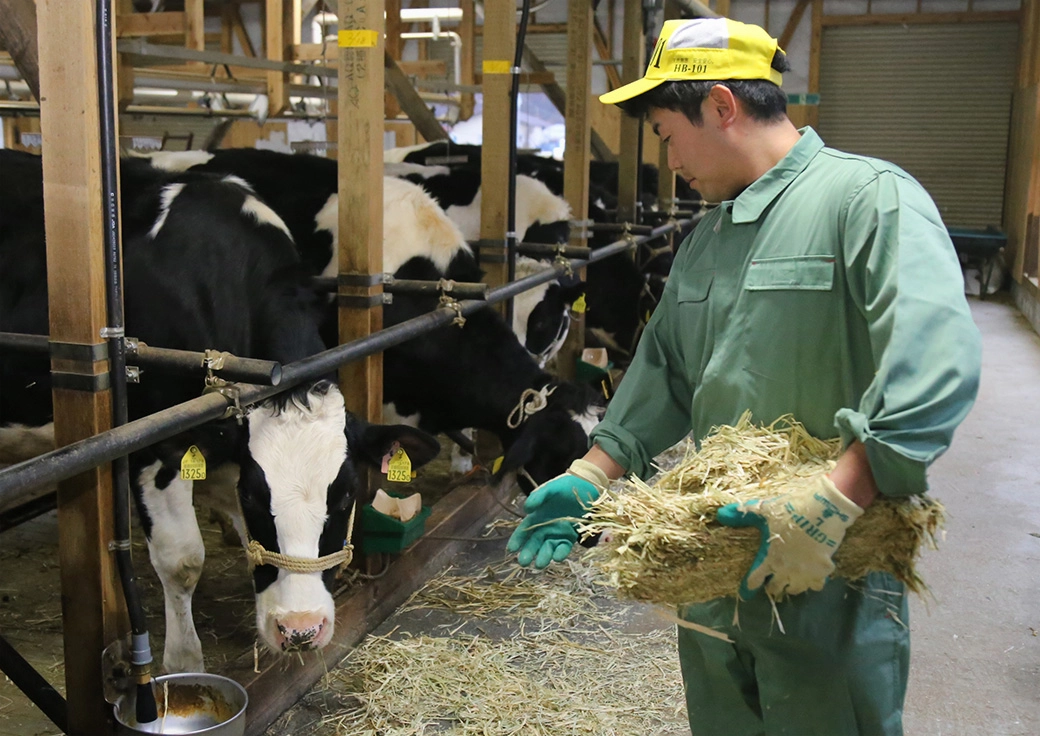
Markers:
point(257, 555)
point(532, 401)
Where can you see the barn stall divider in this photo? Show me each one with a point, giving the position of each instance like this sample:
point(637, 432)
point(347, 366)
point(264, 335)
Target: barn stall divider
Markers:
point(461, 512)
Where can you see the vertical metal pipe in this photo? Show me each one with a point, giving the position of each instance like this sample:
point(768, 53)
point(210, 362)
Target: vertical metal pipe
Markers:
point(141, 653)
point(511, 238)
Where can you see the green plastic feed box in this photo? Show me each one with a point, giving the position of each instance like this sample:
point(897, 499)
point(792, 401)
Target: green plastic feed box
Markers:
point(384, 533)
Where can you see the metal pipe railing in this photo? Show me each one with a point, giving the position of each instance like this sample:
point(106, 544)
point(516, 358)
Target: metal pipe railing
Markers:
point(223, 365)
point(21, 480)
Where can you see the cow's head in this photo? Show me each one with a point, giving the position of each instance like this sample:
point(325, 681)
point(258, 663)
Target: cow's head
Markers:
point(548, 440)
point(298, 489)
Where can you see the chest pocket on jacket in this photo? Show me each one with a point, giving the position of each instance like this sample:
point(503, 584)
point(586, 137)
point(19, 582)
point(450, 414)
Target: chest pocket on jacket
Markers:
point(805, 273)
point(696, 287)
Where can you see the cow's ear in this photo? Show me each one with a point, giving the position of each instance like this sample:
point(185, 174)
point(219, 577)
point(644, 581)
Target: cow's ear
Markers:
point(376, 440)
point(572, 291)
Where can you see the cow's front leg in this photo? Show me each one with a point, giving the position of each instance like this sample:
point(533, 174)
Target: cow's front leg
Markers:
point(177, 553)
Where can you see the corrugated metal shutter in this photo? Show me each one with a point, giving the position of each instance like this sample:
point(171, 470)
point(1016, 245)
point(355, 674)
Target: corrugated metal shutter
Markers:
point(933, 99)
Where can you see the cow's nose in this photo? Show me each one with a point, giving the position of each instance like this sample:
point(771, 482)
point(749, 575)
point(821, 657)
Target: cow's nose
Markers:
point(299, 630)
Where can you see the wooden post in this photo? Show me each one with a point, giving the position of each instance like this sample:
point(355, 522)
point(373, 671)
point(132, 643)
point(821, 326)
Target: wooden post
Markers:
point(576, 157)
point(499, 48)
point(391, 108)
point(281, 32)
point(632, 68)
point(815, 45)
point(195, 25)
point(90, 591)
point(360, 155)
point(466, 32)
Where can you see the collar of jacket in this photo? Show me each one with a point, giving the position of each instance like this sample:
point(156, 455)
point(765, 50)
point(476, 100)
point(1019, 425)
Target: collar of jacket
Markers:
point(752, 202)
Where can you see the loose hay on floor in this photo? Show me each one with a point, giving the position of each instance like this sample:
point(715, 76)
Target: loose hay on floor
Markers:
point(561, 592)
point(548, 684)
point(666, 547)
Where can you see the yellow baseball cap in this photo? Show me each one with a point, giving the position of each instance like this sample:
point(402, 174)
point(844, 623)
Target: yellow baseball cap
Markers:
point(704, 49)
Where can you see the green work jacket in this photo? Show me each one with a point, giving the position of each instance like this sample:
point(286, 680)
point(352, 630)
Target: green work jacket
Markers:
point(829, 290)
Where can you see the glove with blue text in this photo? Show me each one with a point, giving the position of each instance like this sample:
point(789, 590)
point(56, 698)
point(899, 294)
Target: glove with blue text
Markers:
point(800, 532)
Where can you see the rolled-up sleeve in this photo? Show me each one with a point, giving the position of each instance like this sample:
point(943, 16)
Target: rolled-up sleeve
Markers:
point(905, 279)
point(651, 410)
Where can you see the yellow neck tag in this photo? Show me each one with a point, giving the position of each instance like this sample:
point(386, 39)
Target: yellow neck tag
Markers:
point(193, 464)
point(399, 469)
point(497, 464)
point(579, 306)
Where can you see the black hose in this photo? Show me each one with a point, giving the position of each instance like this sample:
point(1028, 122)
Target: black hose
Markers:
point(511, 239)
point(140, 651)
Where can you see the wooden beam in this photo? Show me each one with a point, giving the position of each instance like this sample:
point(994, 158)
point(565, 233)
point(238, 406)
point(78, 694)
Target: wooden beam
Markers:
point(281, 32)
point(360, 157)
point(239, 29)
point(91, 601)
point(577, 150)
point(531, 28)
point(130, 25)
point(195, 26)
point(604, 50)
point(815, 44)
point(18, 37)
point(467, 32)
point(394, 47)
point(227, 28)
point(792, 23)
point(411, 103)
point(722, 8)
point(631, 128)
point(499, 48)
point(558, 98)
point(542, 78)
point(896, 19)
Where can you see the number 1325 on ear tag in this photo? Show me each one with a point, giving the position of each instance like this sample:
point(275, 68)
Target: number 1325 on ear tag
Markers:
point(193, 464)
point(399, 469)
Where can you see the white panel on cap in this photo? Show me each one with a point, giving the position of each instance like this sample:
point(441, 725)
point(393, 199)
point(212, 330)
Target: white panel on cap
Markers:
point(704, 33)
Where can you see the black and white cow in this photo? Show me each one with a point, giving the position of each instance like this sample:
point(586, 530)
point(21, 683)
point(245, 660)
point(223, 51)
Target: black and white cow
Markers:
point(621, 293)
point(452, 378)
point(541, 316)
point(209, 265)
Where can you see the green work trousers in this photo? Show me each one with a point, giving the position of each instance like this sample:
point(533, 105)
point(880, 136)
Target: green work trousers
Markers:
point(839, 670)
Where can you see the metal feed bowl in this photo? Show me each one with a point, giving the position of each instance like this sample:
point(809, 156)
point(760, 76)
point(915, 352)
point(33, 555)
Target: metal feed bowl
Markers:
point(189, 703)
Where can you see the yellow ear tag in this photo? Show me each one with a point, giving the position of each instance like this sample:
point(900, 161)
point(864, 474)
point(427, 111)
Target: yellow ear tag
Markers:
point(399, 469)
point(193, 465)
point(579, 306)
point(495, 466)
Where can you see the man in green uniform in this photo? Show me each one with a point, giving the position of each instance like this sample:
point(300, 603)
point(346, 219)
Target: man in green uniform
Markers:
point(824, 285)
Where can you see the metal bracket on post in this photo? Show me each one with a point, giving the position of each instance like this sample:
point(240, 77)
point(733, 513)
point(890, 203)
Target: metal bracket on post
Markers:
point(362, 281)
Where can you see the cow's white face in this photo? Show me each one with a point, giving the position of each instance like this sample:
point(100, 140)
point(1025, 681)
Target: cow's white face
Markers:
point(296, 489)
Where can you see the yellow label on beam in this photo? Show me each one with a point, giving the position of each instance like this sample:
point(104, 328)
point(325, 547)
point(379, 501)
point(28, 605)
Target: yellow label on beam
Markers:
point(492, 66)
point(358, 39)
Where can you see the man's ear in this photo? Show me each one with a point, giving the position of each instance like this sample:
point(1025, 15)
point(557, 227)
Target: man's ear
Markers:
point(721, 106)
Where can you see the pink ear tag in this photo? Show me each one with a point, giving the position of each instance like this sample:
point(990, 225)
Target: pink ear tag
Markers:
point(384, 467)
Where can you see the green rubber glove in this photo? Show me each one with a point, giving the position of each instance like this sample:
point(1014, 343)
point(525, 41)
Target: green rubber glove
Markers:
point(800, 532)
point(545, 535)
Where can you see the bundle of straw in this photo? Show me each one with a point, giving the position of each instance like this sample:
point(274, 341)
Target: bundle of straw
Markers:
point(664, 545)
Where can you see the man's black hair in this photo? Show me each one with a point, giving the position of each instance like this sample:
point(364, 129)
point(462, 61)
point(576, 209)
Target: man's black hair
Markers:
point(764, 101)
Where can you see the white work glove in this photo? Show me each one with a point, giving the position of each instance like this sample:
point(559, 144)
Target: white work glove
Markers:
point(800, 532)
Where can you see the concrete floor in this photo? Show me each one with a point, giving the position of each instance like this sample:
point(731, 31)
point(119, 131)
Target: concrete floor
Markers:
point(975, 661)
point(975, 665)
